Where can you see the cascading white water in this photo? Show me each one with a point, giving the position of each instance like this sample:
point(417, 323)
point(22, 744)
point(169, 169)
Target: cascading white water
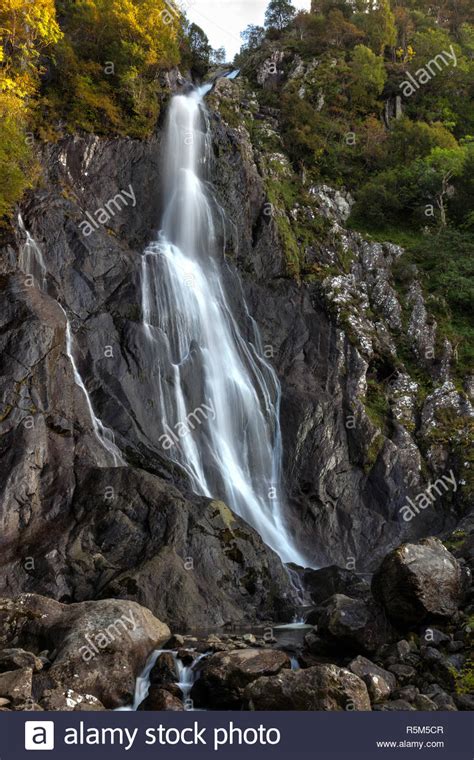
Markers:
point(187, 675)
point(32, 263)
point(218, 396)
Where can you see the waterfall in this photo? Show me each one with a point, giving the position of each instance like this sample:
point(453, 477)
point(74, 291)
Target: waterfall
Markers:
point(187, 676)
point(218, 396)
point(31, 260)
point(32, 263)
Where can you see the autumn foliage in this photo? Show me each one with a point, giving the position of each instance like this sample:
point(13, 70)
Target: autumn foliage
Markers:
point(72, 65)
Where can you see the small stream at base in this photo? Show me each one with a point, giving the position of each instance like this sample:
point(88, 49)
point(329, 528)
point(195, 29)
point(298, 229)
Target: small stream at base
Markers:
point(187, 676)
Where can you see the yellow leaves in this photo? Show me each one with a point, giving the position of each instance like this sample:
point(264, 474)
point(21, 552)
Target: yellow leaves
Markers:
point(20, 85)
point(18, 166)
point(405, 56)
point(32, 24)
point(27, 29)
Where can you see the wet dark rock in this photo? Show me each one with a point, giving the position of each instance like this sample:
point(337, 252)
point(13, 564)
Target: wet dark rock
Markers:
point(317, 646)
point(443, 668)
point(312, 617)
point(419, 580)
point(16, 685)
point(402, 649)
point(431, 655)
point(464, 701)
point(186, 657)
point(380, 683)
point(224, 676)
point(322, 687)
point(175, 642)
point(407, 693)
point(125, 553)
point(404, 673)
point(424, 703)
point(11, 659)
point(431, 636)
point(444, 702)
point(402, 652)
point(455, 646)
point(354, 623)
point(161, 699)
point(324, 583)
point(164, 670)
point(397, 705)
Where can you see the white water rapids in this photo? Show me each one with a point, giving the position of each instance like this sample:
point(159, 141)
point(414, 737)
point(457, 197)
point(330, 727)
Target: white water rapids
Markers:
point(218, 396)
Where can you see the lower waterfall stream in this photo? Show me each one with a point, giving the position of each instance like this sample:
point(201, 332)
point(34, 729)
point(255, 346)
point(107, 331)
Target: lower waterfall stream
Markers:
point(186, 678)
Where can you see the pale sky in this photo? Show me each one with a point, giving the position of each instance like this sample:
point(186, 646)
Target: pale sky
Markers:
point(223, 20)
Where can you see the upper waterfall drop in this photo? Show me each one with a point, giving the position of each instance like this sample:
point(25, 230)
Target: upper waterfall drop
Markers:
point(218, 397)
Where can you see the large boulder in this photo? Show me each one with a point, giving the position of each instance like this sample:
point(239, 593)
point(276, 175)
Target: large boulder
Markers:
point(380, 683)
point(354, 623)
point(322, 687)
point(161, 699)
point(16, 685)
point(164, 671)
point(98, 648)
point(417, 581)
point(224, 676)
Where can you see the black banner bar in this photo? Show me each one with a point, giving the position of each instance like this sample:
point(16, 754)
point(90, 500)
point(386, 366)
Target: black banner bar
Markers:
point(232, 735)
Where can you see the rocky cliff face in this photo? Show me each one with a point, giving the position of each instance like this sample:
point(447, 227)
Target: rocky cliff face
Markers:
point(362, 434)
point(359, 437)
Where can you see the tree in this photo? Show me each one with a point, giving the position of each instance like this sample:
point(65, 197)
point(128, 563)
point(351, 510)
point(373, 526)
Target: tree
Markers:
point(279, 14)
point(200, 48)
point(445, 164)
point(16, 157)
point(380, 27)
point(409, 140)
point(218, 57)
point(368, 78)
point(252, 37)
point(340, 32)
point(26, 30)
point(455, 13)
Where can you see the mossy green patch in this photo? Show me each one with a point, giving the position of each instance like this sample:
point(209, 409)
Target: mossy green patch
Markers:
point(225, 513)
